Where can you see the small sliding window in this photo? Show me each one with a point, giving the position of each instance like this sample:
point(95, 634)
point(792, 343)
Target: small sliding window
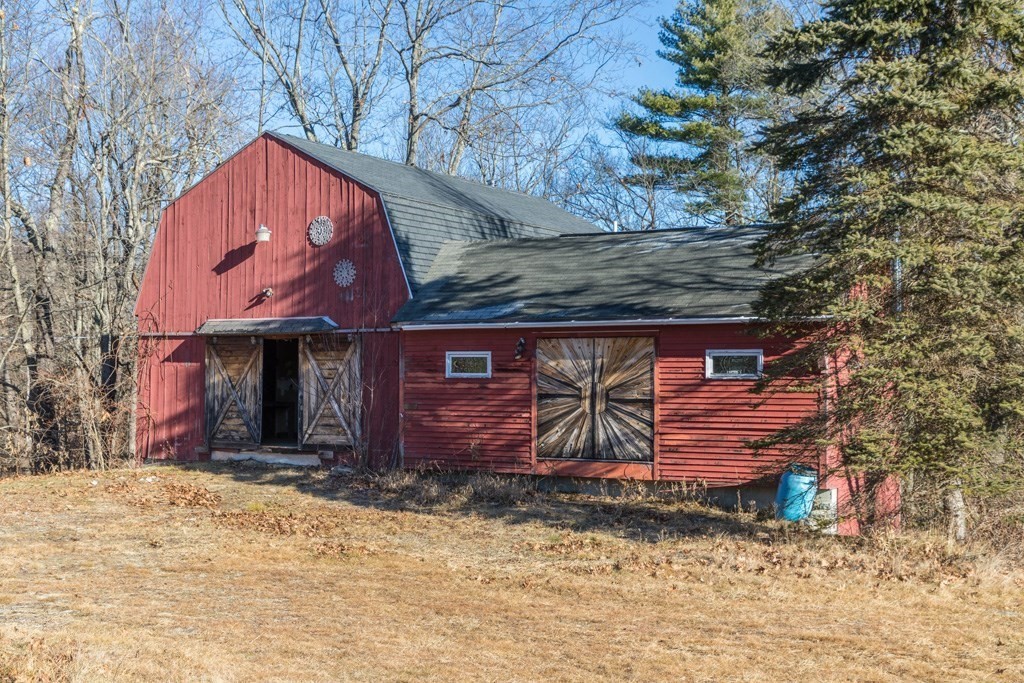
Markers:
point(467, 364)
point(733, 363)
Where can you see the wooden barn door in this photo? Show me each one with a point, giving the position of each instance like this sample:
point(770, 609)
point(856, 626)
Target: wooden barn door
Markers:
point(595, 398)
point(331, 391)
point(234, 390)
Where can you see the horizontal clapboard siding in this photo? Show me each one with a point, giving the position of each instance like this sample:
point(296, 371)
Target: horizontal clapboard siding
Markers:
point(703, 427)
point(462, 423)
point(706, 425)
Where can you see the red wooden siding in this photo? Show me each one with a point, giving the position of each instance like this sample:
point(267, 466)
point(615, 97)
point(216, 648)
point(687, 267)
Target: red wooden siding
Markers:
point(705, 423)
point(466, 423)
point(701, 425)
point(171, 397)
point(206, 264)
point(380, 397)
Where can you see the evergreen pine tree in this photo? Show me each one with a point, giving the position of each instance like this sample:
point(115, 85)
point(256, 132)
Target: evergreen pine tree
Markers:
point(720, 102)
point(910, 193)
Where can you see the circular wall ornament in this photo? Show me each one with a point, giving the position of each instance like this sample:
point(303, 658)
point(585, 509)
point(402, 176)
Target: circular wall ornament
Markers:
point(321, 229)
point(344, 273)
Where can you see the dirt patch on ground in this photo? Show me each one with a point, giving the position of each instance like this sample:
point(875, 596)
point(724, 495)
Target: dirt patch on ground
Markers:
point(242, 573)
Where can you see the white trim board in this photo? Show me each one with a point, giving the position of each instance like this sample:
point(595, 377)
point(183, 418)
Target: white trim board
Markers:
point(752, 353)
point(449, 355)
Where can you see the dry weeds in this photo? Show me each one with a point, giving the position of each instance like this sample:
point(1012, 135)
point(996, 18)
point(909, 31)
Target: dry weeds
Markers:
point(243, 573)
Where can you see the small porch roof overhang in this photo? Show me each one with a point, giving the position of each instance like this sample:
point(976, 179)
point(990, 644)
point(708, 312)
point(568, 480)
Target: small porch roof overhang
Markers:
point(261, 327)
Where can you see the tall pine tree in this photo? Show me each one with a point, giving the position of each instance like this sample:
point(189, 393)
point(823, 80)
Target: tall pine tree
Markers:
point(714, 113)
point(911, 196)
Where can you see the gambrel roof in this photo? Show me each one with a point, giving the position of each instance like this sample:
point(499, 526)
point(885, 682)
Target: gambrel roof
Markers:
point(427, 209)
point(664, 275)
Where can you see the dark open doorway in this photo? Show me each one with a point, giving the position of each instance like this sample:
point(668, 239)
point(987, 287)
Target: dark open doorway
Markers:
point(280, 392)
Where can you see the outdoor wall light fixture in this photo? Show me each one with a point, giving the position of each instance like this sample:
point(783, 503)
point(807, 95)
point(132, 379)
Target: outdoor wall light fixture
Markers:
point(267, 293)
point(520, 348)
point(263, 234)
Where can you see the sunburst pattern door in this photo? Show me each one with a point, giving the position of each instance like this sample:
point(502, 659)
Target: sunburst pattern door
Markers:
point(595, 398)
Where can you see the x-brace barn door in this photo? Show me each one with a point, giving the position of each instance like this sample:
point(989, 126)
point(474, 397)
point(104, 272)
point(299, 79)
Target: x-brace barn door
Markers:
point(595, 398)
point(234, 390)
point(331, 390)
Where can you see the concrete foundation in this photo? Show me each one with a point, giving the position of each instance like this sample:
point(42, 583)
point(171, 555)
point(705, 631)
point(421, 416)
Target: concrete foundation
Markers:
point(270, 457)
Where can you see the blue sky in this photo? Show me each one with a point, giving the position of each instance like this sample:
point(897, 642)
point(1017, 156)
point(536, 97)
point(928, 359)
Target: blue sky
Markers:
point(651, 71)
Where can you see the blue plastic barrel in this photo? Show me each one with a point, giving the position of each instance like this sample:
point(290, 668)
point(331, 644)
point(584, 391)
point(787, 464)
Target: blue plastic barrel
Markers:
point(795, 497)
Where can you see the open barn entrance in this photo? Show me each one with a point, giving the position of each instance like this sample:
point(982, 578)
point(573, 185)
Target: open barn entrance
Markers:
point(283, 390)
point(280, 392)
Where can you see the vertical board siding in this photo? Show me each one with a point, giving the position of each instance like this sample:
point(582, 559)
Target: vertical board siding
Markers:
point(380, 397)
point(206, 264)
point(702, 426)
point(171, 420)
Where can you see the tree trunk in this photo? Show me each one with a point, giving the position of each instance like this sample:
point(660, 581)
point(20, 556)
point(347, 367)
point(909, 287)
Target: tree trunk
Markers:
point(412, 139)
point(957, 510)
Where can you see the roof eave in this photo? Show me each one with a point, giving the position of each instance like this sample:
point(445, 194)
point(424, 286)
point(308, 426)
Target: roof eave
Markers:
point(632, 322)
point(526, 324)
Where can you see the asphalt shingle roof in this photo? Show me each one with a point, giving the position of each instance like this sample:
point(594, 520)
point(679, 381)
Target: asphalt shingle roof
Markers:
point(265, 326)
point(660, 275)
point(427, 209)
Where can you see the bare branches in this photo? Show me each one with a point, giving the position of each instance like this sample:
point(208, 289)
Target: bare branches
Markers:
point(325, 56)
point(454, 54)
point(461, 69)
point(106, 111)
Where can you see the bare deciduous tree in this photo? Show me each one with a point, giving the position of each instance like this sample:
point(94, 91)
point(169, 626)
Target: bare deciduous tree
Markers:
point(106, 112)
point(600, 186)
point(459, 71)
point(325, 57)
point(467, 64)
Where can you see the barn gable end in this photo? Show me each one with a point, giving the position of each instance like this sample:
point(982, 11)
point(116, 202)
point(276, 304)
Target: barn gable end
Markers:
point(206, 263)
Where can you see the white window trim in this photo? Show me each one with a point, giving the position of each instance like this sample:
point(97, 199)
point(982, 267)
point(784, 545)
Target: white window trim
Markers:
point(466, 354)
point(711, 353)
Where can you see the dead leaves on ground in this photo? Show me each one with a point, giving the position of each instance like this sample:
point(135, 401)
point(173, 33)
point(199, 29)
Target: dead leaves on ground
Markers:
point(310, 525)
point(343, 549)
point(809, 558)
point(149, 492)
point(584, 553)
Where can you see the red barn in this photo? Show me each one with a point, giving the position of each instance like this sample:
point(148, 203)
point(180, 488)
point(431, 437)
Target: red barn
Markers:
point(407, 317)
point(284, 348)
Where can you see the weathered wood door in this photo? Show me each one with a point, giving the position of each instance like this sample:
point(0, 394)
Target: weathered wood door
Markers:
point(595, 398)
point(331, 391)
point(234, 391)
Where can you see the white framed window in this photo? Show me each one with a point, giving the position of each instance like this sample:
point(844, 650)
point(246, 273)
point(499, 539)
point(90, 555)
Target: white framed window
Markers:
point(733, 363)
point(467, 364)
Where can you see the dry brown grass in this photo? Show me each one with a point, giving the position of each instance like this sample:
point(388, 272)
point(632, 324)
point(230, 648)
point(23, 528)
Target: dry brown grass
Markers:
point(245, 573)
